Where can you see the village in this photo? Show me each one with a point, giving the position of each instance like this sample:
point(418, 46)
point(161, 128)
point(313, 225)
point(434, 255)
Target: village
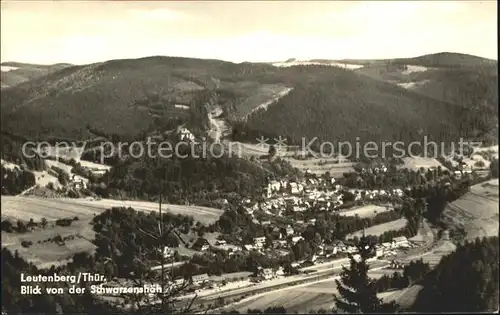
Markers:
point(297, 202)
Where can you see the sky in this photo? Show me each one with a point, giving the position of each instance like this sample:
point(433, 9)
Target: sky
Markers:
point(81, 32)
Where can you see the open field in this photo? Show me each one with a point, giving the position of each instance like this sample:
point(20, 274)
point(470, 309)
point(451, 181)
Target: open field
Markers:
point(65, 167)
point(491, 151)
point(300, 299)
point(434, 257)
point(477, 210)
point(70, 151)
point(377, 230)
point(231, 276)
point(30, 207)
point(314, 166)
point(93, 165)
point(417, 162)
point(365, 211)
point(47, 254)
point(248, 150)
point(319, 295)
point(41, 178)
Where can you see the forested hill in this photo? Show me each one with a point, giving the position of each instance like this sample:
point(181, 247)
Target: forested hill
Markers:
point(464, 281)
point(350, 105)
point(125, 97)
point(129, 97)
point(439, 60)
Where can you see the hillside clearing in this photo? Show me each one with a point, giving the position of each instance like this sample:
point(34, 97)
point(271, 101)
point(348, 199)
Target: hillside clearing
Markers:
point(301, 299)
point(25, 208)
point(365, 211)
point(477, 210)
point(412, 85)
point(415, 163)
point(378, 230)
point(46, 254)
point(273, 94)
point(321, 166)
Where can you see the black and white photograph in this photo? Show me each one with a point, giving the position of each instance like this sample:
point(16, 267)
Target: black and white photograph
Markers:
point(249, 157)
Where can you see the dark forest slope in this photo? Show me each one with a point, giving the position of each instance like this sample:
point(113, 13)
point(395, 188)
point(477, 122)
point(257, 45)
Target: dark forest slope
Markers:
point(349, 105)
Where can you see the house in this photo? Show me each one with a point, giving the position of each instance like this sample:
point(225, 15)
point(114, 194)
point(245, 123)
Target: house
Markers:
point(266, 273)
point(401, 241)
point(280, 272)
point(340, 246)
point(289, 230)
point(457, 174)
point(312, 181)
point(298, 209)
point(295, 239)
point(220, 243)
point(179, 281)
point(265, 223)
point(387, 245)
point(201, 244)
point(281, 243)
point(274, 186)
point(168, 252)
point(185, 135)
point(78, 182)
point(397, 265)
point(248, 247)
point(295, 188)
point(200, 279)
point(259, 241)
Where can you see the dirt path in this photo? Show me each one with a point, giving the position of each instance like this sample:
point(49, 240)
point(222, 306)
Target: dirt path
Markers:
point(218, 127)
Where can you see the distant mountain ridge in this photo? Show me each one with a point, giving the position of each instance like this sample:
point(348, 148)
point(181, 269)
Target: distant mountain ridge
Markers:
point(130, 97)
point(14, 73)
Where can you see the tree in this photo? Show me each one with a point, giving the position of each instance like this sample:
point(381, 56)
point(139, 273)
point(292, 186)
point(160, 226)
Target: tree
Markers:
point(7, 226)
point(275, 310)
point(358, 293)
point(272, 151)
point(494, 168)
point(21, 228)
point(465, 281)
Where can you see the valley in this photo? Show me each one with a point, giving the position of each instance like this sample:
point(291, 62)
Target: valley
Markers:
point(271, 226)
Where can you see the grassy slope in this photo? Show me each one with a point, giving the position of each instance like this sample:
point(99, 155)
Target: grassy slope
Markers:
point(26, 72)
